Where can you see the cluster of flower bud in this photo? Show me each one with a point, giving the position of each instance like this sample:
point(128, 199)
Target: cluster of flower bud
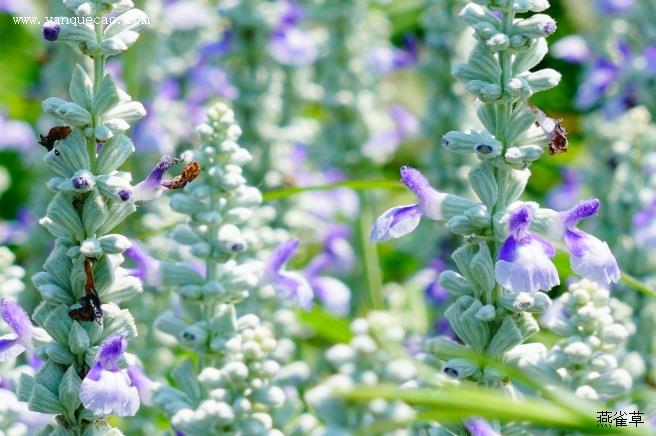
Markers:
point(588, 360)
point(242, 392)
point(374, 355)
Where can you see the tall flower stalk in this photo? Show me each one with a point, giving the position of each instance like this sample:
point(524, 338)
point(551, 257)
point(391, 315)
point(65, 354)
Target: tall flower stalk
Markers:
point(83, 379)
point(504, 263)
point(237, 386)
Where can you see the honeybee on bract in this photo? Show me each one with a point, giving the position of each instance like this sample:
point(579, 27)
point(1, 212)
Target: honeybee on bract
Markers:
point(554, 130)
point(55, 134)
point(190, 171)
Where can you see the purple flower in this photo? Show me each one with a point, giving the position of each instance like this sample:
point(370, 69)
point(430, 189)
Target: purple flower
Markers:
point(333, 294)
point(386, 59)
point(107, 389)
point(293, 47)
point(524, 264)
point(571, 48)
point(51, 31)
point(145, 386)
point(566, 194)
point(401, 220)
point(644, 226)
point(13, 344)
point(612, 7)
point(480, 427)
point(650, 59)
point(289, 284)
point(337, 255)
point(16, 135)
point(598, 78)
point(206, 82)
point(589, 256)
point(147, 269)
point(153, 186)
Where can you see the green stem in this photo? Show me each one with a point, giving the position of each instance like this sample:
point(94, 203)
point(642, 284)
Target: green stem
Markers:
point(369, 252)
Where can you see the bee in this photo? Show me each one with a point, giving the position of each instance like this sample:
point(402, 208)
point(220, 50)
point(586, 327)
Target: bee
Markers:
point(55, 134)
point(89, 306)
point(189, 173)
point(553, 129)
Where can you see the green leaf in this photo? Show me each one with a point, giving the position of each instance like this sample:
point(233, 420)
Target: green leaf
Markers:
point(325, 324)
point(457, 403)
point(277, 194)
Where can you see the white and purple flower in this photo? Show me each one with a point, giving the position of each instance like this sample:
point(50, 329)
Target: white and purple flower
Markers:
point(589, 257)
point(288, 284)
point(107, 389)
point(154, 186)
point(20, 340)
point(401, 220)
point(524, 261)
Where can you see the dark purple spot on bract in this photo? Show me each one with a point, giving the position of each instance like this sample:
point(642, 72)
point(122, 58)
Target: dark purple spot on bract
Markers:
point(451, 372)
point(445, 142)
point(484, 148)
point(80, 182)
point(51, 31)
point(124, 194)
point(237, 247)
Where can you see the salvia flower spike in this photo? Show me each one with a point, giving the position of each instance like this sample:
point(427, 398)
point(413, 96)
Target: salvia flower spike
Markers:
point(82, 380)
point(504, 265)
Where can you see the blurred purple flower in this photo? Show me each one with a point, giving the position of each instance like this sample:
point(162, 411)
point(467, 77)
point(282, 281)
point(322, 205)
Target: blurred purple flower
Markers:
point(17, 7)
point(613, 7)
point(333, 294)
point(147, 267)
point(107, 389)
point(589, 257)
point(17, 231)
point(207, 82)
point(480, 427)
point(337, 255)
point(187, 15)
point(288, 284)
point(644, 226)
point(598, 78)
point(401, 220)
point(217, 48)
point(565, 194)
point(386, 59)
point(386, 142)
point(20, 340)
point(289, 44)
point(571, 48)
point(17, 135)
point(323, 204)
point(523, 263)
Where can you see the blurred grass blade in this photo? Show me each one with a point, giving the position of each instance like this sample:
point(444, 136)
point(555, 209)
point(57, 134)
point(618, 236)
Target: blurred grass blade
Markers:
point(325, 324)
point(636, 284)
point(454, 404)
point(277, 194)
